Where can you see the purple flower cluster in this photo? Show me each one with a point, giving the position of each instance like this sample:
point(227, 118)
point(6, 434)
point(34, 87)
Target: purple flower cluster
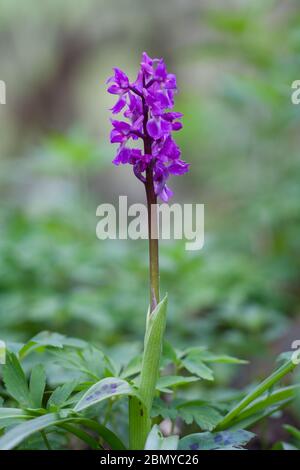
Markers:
point(146, 104)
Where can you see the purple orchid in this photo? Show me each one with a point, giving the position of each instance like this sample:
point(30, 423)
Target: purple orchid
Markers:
point(147, 103)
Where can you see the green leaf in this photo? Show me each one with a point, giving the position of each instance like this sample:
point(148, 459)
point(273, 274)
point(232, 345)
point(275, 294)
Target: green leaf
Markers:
point(194, 365)
point(167, 381)
point(164, 409)
point(61, 394)
point(140, 408)
point(37, 385)
point(15, 380)
point(105, 388)
point(9, 416)
point(133, 368)
point(156, 323)
point(293, 431)
point(50, 339)
point(220, 440)
point(264, 406)
point(221, 358)
point(256, 393)
point(205, 416)
point(107, 435)
point(156, 440)
point(18, 433)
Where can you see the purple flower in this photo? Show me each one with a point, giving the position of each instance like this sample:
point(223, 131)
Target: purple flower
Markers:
point(146, 104)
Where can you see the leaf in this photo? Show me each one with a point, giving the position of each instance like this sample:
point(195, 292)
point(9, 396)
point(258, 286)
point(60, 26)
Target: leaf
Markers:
point(156, 440)
point(89, 361)
point(163, 409)
point(18, 433)
point(15, 380)
point(205, 416)
point(197, 367)
point(293, 431)
point(133, 368)
point(108, 436)
point(264, 406)
point(169, 353)
point(37, 385)
point(61, 394)
point(167, 381)
point(105, 388)
point(9, 416)
point(156, 323)
point(50, 339)
point(221, 358)
point(220, 440)
point(256, 393)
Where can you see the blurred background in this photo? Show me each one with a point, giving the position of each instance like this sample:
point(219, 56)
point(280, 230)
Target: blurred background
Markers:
point(235, 62)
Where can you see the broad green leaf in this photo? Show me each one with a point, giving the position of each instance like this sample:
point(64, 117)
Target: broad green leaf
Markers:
point(15, 380)
point(105, 388)
point(205, 416)
point(140, 408)
point(220, 440)
point(165, 383)
point(37, 385)
point(61, 394)
point(18, 433)
point(156, 323)
point(197, 367)
point(156, 440)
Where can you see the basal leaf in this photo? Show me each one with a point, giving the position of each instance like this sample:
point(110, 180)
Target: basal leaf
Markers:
point(221, 440)
point(105, 388)
point(9, 416)
point(18, 433)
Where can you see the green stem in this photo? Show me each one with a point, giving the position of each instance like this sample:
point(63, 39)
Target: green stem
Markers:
point(153, 239)
point(140, 410)
point(45, 439)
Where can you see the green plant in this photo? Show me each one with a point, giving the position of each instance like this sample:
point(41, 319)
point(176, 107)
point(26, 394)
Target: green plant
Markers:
point(88, 389)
